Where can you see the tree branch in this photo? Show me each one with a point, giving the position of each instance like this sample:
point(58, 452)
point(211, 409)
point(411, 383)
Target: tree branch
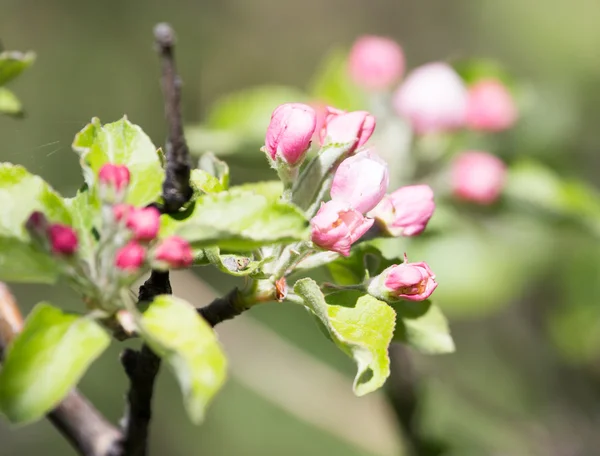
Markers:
point(225, 308)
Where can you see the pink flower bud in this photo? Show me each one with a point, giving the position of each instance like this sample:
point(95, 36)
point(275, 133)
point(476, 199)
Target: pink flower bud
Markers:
point(122, 211)
point(478, 177)
point(375, 62)
point(406, 211)
point(360, 181)
point(174, 252)
point(63, 239)
point(290, 131)
point(490, 106)
point(115, 176)
point(337, 226)
point(130, 257)
point(144, 223)
point(410, 281)
point(345, 127)
point(433, 99)
point(37, 224)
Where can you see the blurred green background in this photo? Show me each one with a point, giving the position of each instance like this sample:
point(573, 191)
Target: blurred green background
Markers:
point(522, 295)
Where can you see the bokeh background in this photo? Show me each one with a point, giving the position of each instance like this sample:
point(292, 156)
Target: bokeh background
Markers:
point(522, 293)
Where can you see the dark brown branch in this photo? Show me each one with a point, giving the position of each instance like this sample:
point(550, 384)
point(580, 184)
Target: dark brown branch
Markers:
point(225, 308)
point(403, 393)
point(75, 418)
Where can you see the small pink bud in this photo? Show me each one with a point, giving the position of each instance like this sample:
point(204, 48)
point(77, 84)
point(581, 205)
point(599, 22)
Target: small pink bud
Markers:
point(63, 239)
point(360, 181)
point(490, 106)
point(116, 176)
point(130, 257)
point(290, 131)
point(410, 281)
point(37, 224)
point(433, 99)
point(174, 252)
point(375, 62)
point(345, 127)
point(122, 211)
point(337, 226)
point(406, 211)
point(478, 177)
point(144, 223)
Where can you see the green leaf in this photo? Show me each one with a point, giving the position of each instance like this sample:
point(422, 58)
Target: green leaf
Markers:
point(124, 143)
point(235, 265)
point(363, 258)
point(46, 361)
point(13, 63)
point(204, 182)
point(360, 325)
point(423, 326)
point(175, 331)
point(272, 190)
point(85, 212)
point(218, 168)
point(20, 261)
point(332, 84)
point(9, 103)
point(237, 220)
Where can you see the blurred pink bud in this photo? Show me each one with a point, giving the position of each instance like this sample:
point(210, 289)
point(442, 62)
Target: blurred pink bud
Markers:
point(122, 211)
point(174, 252)
point(130, 257)
point(406, 211)
point(490, 106)
point(290, 131)
point(144, 223)
point(63, 239)
point(116, 176)
point(433, 99)
point(410, 281)
point(478, 177)
point(345, 127)
point(37, 224)
point(375, 62)
point(337, 226)
point(360, 181)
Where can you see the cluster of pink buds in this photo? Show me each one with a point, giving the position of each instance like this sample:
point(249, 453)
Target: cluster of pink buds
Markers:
point(408, 281)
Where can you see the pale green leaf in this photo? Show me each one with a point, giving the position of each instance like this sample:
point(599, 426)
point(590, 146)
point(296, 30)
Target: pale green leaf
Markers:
point(235, 265)
point(85, 211)
point(9, 103)
point(203, 182)
point(20, 261)
point(218, 168)
point(124, 143)
point(364, 258)
point(13, 63)
point(46, 361)
point(175, 331)
point(423, 326)
point(272, 190)
point(360, 325)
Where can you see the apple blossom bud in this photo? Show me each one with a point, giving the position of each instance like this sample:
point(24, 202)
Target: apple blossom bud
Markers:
point(490, 106)
point(406, 211)
point(290, 131)
point(144, 223)
point(410, 281)
point(375, 62)
point(130, 257)
point(345, 127)
point(37, 225)
point(360, 181)
point(337, 226)
point(115, 176)
point(478, 176)
point(122, 211)
point(173, 252)
point(433, 99)
point(63, 239)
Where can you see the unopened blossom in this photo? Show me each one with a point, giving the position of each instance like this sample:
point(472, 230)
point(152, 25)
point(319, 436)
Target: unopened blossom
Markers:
point(130, 257)
point(144, 223)
point(346, 127)
point(337, 226)
point(122, 211)
point(406, 211)
point(375, 62)
point(478, 177)
point(490, 106)
point(63, 239)
point(37, 224)
point(173, 252)
point(290, 131)
point(115, 176)
point(409, 281)
point(433, 99)
point(361, 180)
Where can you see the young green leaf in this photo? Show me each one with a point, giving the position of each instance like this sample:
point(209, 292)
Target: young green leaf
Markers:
point(218, 168)
point(237, 220)
point(204, 182)
point(175, 331)
point(423, 326)
point(9, 103)
point(13, 63)
point(363, 258)
point(360, 325)
point(85, 210)
point(46, 361)
point(235, 265)
point(124, 143)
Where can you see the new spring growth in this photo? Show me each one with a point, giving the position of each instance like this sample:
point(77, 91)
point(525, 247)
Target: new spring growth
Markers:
point(432, 99)
point(345, 127)
point(406, 211)
point(408, 281)
point(375, 63)
point(114, 180)
point(478, 177)
point(490, 106)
